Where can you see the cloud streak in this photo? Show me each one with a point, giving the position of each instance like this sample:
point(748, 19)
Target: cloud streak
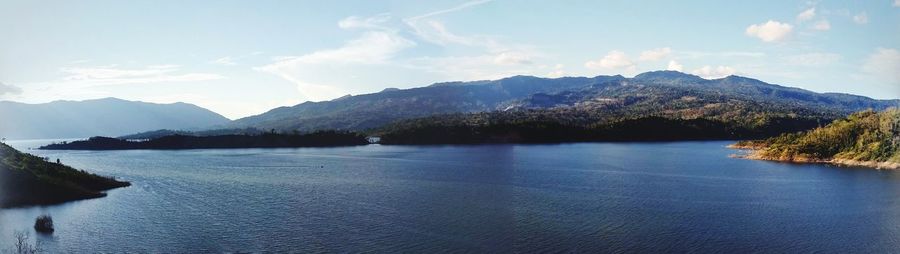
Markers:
point(6, 89)
point(111, 75)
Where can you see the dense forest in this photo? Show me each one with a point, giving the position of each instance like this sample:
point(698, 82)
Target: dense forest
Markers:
point(266, 140)
point(26, 179)
point(544, 126)
point(867, 138)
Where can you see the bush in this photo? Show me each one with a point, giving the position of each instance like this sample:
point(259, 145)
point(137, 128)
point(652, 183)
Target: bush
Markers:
point(44, 224)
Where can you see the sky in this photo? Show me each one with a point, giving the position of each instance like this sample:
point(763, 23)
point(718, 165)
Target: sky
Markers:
point(241, 58)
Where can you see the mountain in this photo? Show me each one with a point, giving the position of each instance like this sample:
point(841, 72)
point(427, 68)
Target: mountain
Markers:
point(374, 110)
point(107, 117)
point(26, 179)
point(866, 138)
point(663, 93)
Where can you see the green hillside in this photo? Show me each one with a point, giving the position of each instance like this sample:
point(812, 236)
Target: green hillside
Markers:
point(865, 138)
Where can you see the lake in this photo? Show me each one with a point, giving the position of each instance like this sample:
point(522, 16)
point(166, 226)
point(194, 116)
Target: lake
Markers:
point(586, 197)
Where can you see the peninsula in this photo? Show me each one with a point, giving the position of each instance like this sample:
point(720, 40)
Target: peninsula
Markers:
point(867, 139)
point(266, 140)
point(26, 180)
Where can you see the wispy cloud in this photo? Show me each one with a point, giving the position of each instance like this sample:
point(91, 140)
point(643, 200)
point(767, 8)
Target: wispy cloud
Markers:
point(655, 54)
point(444, 11)
point(807, 15)
point(6, 89)
point(227, 61)
point(111, 75)
point(355, 22)
point(861, 18)
point(812, 59)
point(883, 65)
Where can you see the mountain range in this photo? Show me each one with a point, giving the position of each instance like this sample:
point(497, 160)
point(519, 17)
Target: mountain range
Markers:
point(741, 103)
point(101, 117)
point(658, 93)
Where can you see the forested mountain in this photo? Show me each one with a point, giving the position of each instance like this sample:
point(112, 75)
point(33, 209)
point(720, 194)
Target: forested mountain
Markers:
point(667, 94)
point(866, 138)
point(374, 110)
point(109, 117)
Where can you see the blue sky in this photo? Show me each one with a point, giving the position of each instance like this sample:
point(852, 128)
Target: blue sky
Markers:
point(241, 58)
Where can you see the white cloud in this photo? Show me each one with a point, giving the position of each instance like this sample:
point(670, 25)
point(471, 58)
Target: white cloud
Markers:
point(354, 22)
point(613, 60)
point(709, 72)
point(896, 3)
point(822, 25)
point(812, 59)
point(9, 89)
point(435, 32)
point(227, 61)
point(558, 71)
point(376, 46)
point(770, 31)
point(512, 57)
point(675, 66)
point(807, 15)
point(373, 47)
point(110, 75)
point(861, 18)
point(655, 54)
point(883, 64)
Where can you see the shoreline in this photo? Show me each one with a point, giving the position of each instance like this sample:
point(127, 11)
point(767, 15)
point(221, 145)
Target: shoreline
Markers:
point(755, 150)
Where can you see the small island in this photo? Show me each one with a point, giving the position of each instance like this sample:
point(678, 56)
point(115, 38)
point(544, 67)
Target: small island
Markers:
point(172, 142)
point(27, 180)
point(867, 139)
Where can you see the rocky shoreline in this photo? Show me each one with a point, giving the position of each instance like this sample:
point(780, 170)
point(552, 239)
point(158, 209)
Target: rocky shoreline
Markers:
point(755, 153)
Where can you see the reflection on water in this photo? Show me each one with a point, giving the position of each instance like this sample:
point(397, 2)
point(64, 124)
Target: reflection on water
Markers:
point(636, 197)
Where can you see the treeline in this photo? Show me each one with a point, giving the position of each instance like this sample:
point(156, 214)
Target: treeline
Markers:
point(866, 136)
point(550, 127)
point(266, 140)
point(26, 179)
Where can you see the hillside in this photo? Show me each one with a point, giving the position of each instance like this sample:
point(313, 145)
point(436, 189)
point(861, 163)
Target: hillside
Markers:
point(866, 138)
point(107, 117)
point(30, 180)
point(648, 94)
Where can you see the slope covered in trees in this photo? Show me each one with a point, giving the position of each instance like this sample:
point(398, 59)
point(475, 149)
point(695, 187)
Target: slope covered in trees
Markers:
point(26, 179)
point(660, 93)
point(866, 138)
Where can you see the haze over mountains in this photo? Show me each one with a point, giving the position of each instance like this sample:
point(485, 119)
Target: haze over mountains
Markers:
point(101, 117)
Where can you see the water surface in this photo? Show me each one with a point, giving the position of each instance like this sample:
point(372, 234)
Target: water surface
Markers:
point(593, 197)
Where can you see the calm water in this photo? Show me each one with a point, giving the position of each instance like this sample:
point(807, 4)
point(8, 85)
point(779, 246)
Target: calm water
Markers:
point(644, 197)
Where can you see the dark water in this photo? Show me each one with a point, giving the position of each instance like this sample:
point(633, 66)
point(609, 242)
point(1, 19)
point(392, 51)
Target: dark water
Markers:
point(650, 197)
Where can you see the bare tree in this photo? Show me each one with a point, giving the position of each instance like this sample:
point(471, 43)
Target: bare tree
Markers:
point(23, 246)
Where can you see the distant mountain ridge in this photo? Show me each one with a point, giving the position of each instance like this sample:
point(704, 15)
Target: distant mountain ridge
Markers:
point(368, 111)
point(109, 117)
